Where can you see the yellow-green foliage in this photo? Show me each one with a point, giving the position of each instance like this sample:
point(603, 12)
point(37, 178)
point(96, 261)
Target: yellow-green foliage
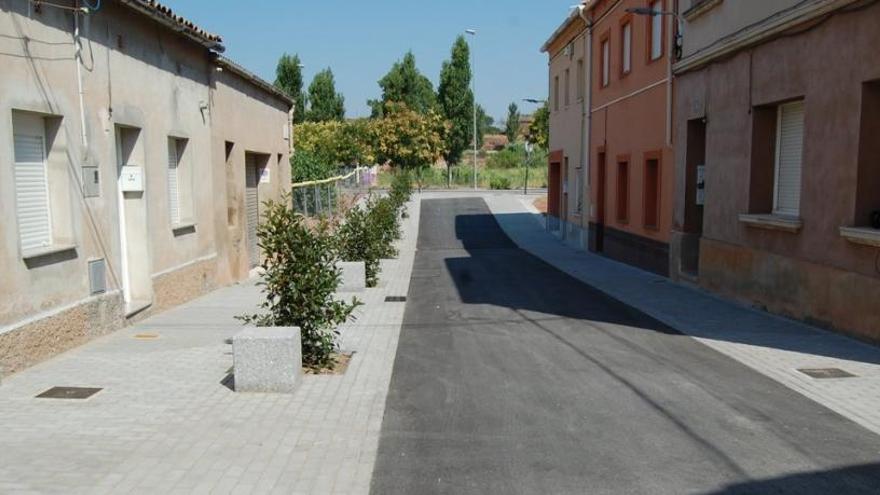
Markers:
point(340, 143)
point(409, 139)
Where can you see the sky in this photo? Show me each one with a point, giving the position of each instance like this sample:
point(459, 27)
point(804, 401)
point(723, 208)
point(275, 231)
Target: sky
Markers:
point(360, 41)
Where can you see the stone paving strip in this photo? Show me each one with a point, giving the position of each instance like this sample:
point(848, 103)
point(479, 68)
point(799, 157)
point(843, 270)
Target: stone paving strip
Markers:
point(772, 345)
point(166, 421)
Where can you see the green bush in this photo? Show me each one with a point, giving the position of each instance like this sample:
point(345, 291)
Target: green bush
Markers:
point(367, 234)
point(299, 281)
point(500, 182)
point(401, 188)
point(307, 166)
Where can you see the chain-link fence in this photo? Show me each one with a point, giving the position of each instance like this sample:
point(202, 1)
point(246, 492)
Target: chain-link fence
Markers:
point(324, 197)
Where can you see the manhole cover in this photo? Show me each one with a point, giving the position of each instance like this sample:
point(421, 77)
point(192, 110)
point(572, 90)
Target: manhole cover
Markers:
point(146, 336)
point(69, 393)
point(395, 298)
point(822, 373)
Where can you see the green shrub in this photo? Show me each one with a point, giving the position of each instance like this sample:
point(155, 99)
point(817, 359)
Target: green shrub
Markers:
point(401, 188)
point(500, 182)
point(299, 281)
point(358, 240)
point(307, 166)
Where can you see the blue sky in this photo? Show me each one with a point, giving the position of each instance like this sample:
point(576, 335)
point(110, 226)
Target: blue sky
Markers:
point(360, 40)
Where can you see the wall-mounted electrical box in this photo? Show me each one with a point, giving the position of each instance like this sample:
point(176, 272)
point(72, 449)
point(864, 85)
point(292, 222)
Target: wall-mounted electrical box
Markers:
point(91, 182)
point(131, 179)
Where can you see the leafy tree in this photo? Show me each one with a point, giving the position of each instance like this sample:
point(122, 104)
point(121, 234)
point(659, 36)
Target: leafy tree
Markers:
point(539, 130)
point(309, 165)
point(405, 84)
point(512, 127)
point(456, 100)
point(408, 139)
point(483, 123)
point(288, 78)
point(337, 143)
point(324, 102)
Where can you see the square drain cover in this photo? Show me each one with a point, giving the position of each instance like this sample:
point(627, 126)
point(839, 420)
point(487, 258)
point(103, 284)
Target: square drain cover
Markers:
point(822, 373)
point(69, 393)
point(395, 298)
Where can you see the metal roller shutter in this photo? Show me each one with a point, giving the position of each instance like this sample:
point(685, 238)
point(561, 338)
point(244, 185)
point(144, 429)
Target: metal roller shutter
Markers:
point(789, 155)
point(32, 192)
point(173, 182)
point(252, 208)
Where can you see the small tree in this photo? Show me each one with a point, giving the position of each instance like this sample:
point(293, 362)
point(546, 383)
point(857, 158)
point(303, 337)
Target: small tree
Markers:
point(324, 102)
point(288, 78)
point(539, 130)
point(512, 127)
point(408, 139)
point(299, 281)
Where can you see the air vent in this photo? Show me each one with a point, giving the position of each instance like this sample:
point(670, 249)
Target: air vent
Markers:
point(825, 373)
point(395, 298)
point(97, 276)
point(69, 393)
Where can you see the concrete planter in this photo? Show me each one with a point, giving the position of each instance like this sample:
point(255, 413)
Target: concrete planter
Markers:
point(354, 276)
point(267, 359)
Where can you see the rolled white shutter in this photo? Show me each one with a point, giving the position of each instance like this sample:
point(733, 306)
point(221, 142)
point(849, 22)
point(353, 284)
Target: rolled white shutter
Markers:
point(32, 192)
point(627, 47)
point(789, 156)
point(173, 182)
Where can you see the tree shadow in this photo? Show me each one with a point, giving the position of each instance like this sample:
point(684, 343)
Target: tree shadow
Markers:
point(858, 479)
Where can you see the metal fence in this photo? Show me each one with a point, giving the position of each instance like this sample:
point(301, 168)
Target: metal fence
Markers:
point(323, 197)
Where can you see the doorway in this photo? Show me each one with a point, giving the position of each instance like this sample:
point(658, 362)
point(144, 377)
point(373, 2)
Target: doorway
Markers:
point(252, 206)
point(134, 243)
point(553, 196)
point(598, 239)
point(695, 196)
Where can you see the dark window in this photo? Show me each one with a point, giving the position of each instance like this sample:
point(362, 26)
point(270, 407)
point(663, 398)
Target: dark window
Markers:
point(652, 193)
point(868, 184)
point(623, 192)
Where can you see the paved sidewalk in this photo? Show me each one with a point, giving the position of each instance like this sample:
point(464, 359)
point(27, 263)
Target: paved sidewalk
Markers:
point(774, 346)
point(166, 423)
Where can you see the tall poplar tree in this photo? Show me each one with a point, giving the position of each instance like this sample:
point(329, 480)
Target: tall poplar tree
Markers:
point(512, 127)
point(288, 78)
point(456, 100)
point(405, 84)
point(324, 102)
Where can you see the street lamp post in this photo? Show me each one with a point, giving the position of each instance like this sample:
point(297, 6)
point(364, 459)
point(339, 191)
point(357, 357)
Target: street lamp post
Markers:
point(528, 161)
point(473, 32)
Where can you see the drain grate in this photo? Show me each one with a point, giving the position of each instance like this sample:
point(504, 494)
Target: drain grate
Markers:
point(824, 373)
point(395, 298)
point(69, 393)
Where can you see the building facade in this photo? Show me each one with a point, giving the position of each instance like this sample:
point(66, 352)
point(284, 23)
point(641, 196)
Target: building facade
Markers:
point(778, 161)
point(611, 167)
point(114, 184)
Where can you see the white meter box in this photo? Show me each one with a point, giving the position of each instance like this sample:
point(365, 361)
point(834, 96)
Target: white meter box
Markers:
point(132, 179)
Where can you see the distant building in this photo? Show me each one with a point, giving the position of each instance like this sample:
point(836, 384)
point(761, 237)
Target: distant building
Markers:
point(611, 162)
point(131, 179)
point(778, 165)
point(494, 142)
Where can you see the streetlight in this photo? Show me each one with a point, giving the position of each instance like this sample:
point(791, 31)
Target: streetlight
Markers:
point(536, 101)
point(473, 32)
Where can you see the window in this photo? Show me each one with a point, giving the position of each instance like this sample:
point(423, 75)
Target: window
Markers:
point(622, 191)
point(626, 48)
point(656, 30)
point(556, 93)
point(581, 80)
point(31, 182)
point(789, 153)
point(868, 183)
point(567, 87)
point(606, 62)
point(579, 189)
point(43, 184)
point(180, 190)
point(652, 190)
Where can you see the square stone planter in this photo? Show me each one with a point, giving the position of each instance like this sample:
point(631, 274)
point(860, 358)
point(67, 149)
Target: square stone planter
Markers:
point(267, 359)
point(354, 276)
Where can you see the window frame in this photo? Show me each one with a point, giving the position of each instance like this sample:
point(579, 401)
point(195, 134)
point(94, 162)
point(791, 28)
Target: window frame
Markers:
point(622, 213)
point(581, 80)
point(626, 22)
point(649, 39)
point(185, 181)
point(567, 83)
point(556, 93)
point(652, 156)
point(605, 60)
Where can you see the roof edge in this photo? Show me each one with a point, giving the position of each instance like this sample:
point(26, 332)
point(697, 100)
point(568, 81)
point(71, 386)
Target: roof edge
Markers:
point(165, 16)
point(252, 78)
point(573, 16)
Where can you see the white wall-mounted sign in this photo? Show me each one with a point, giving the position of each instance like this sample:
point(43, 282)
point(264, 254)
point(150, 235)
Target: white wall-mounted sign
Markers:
point(701, 185)
point(265, 177)
point(131, 179)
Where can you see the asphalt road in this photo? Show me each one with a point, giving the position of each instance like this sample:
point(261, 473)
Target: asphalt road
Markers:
point(512, 377)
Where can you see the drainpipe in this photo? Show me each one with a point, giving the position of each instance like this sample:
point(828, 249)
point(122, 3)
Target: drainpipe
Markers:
point(586, 123)
point(79, 80)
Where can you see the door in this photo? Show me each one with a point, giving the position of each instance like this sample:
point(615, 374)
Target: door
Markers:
point(252, 207)
point(599, 237)
point(134, 243)
point(695, 165)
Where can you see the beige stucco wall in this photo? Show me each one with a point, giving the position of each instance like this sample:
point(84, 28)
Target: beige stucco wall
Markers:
point(136, 74)
point(255, 122)
point(566, 123)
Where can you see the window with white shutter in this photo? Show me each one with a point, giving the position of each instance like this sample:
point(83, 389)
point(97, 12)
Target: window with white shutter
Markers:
point(626, 42)
point(789, 156)
point(32, 190)
point(657, 30)
point(606, 63)
point(174, 180)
